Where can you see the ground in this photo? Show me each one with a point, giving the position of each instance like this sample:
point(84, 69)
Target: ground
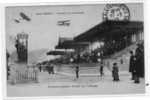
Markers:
point(63, 83)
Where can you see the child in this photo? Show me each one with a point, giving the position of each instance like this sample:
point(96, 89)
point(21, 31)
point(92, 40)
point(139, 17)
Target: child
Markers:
point(115, 72)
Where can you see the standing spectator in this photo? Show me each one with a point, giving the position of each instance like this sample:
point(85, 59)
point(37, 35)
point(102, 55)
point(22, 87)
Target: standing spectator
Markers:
point(77, 71)
point(115, 72)
point(101, 69)
point(138, 64)
point(132, 64)
point(140, 53)
point(48, 69)
point(40, 67)
point(78, 58)
point(52, 68)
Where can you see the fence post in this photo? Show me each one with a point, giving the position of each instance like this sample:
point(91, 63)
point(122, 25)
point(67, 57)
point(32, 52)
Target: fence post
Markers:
point(13, 77)
point(26, 75)
point(36, 75)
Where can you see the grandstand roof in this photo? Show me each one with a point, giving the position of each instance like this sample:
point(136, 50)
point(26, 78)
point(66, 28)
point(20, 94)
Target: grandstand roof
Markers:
point(110, 29)
point(71, 45)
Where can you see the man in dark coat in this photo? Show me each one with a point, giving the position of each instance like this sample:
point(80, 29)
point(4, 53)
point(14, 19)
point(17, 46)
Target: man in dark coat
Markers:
point(141, 48)
point(138, 64)
point(101, 69)
point(40, 67)
point(132, 64)
point(77, 71)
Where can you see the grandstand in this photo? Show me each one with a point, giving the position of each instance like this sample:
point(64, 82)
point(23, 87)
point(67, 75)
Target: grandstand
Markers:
point(105, 39)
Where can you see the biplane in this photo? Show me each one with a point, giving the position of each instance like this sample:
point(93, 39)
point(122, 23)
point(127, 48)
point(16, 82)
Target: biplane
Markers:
point(23, 17)
point(63, 23)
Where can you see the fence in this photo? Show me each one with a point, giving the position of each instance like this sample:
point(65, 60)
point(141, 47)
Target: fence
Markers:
point(26, 76)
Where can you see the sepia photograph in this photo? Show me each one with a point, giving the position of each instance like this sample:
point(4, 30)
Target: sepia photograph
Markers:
point(74, 49)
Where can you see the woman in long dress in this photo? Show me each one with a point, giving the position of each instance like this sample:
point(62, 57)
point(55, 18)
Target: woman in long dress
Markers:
point(115, 72)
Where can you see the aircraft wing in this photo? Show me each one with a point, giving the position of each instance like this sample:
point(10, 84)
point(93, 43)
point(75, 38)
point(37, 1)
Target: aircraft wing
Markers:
point(24, 16)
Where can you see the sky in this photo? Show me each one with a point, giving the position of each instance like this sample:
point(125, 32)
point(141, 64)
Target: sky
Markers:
point(43, 30)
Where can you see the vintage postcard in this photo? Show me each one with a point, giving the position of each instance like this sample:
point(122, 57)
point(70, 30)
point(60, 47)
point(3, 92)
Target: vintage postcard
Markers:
point(74, 49)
